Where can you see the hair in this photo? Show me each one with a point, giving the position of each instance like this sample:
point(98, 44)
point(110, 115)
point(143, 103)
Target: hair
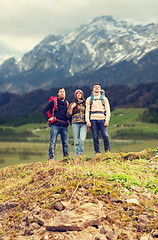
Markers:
point(96, 84)
point(60, 89)
point(75, 100)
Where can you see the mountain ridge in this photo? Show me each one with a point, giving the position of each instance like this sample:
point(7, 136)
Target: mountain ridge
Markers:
point(103, 43)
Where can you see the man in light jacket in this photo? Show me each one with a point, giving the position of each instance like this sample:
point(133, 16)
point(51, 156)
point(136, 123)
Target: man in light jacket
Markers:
point(98, 116)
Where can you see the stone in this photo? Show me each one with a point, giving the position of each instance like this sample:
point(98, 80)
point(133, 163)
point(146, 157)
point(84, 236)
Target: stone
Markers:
point(38, 220)
point(11, 204)
point(155, 233)
point(132, 201)
point(78, 219)
point(109, 233)
point(146, 237)
point(137, 188)
point(59, 206)
point(100, 237)
point(143, 219)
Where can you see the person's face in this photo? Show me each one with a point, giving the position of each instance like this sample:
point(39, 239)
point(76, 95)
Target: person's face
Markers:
point(78, 95)
point(61, 94)
point(96, 88)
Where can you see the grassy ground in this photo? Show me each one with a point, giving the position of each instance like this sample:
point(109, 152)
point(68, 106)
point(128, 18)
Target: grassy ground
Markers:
point(112, 178)
point(123, 124)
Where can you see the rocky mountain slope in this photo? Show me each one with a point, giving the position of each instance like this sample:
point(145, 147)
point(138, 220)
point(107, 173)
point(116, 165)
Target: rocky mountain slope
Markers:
point(104, 49)
point(108, 197)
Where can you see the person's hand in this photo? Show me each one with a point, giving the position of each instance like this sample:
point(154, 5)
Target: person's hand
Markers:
point(51, 119)
point(88, 124)
point(73, 105)
point(106, 124)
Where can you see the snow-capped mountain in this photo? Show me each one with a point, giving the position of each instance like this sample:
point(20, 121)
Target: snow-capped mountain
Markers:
point(102, 43)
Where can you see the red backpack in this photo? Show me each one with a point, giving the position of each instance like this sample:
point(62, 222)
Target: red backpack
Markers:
point(51, 114)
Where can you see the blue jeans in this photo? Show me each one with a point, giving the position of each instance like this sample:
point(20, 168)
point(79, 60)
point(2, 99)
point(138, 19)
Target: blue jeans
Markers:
point(63, 131)
point(98, 125)
point(79, 135)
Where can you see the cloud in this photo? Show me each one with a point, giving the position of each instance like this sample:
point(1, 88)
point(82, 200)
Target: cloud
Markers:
point(24, 23)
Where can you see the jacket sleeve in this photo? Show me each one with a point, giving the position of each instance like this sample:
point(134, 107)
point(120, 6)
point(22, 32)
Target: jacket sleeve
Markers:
point(87, 109)
point(47, 111)
point(107, 108)
point(68, 111)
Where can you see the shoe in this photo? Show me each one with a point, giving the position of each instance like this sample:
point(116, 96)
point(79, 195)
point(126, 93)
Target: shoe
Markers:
point(50, 159)
point(108, 151)
point(66, 158)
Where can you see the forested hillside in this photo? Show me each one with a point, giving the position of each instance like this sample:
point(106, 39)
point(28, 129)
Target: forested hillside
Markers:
point(28, 107)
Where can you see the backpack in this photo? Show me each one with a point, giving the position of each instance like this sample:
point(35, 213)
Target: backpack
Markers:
point(102, 95)
point(55, 107)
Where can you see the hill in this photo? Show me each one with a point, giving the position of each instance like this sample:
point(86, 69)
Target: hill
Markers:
point(30, 105)
point(111, 196)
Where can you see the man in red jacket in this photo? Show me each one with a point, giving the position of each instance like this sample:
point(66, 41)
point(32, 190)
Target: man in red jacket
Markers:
point(58, 122)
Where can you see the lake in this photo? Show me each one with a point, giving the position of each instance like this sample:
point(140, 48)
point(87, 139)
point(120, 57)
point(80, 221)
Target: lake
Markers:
point(12, 153)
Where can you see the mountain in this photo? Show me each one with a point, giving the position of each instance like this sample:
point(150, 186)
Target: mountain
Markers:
point(107, 50)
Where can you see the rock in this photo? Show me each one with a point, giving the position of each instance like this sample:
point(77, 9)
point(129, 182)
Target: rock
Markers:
point(137, 188)
point(100, 237)
point(2, 207)
point(11, 204)
point(109, 233)
point(155, 233)
point(115, 200)
point(87, 185)
point(38, 220)
point(35, 225)
point(133, 201)
point(7, 205)
point(59, 206)
point(103, 230)
point(146, 237)
point(28, 231)
point(143, 219)
point(78, 219)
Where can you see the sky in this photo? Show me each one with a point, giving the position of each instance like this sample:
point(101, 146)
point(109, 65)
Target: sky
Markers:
point(24, 23)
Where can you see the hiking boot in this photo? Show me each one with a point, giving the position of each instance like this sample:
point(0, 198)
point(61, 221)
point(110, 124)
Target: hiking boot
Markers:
point(50, 159)
point(66, 159)
point(98, 155)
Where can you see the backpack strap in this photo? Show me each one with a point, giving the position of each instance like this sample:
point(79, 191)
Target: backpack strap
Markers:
point(102, 95)
point(91, 102)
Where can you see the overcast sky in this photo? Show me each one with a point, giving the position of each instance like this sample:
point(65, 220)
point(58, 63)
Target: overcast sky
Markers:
point(24, 23)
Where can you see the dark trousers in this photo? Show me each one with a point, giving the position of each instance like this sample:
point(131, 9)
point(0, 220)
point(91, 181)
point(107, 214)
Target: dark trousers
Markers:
point(98, 125)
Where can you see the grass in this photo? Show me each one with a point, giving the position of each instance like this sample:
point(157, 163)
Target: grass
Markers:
point(123, 122)
point(110, 177)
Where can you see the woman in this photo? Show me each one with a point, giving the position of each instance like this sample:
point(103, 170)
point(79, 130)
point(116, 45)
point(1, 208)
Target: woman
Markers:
point(76, 110)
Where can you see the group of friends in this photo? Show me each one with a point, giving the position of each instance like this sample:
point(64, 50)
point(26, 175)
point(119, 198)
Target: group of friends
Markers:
point(90, 114)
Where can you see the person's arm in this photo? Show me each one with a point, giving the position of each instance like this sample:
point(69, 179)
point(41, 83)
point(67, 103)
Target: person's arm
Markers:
point(47, 111)
point(108, 114)
point(70, 109)
point(87, 112)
